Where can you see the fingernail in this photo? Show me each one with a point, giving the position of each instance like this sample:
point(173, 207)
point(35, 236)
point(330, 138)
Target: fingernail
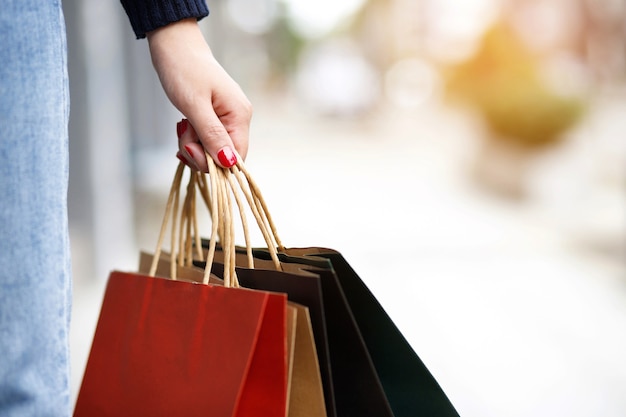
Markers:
point(192, 163)
point(181, 158)
point(227, 157)
point(181, 127)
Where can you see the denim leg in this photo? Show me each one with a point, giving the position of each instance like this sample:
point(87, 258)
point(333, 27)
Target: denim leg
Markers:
point(35, 286)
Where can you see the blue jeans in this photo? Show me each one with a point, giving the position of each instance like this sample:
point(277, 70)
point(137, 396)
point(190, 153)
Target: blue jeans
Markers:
point(35, 286)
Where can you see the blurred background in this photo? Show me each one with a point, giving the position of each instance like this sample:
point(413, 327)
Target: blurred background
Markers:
point(467, 157)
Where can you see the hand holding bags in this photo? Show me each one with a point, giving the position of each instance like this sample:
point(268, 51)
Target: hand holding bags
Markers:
point(175, 348)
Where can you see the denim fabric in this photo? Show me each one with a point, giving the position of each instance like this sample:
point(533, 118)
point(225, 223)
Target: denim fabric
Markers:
point(34, 250)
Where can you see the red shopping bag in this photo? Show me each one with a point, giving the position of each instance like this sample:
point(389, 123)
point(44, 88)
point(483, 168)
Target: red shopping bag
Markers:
point(175, 348)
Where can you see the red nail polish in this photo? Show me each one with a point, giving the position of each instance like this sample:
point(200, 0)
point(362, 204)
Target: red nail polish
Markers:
point(227, 157)
point(190, 161)
point(182, 158)
point(181, 127)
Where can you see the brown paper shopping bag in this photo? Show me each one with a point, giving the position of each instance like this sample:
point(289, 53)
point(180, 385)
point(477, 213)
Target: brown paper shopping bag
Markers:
point(306, 396)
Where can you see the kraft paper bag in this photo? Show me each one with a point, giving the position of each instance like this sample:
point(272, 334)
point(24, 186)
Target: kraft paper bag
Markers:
point(306, 395)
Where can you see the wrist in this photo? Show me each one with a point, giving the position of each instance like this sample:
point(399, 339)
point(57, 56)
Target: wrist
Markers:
point(177, 41)
point(182, 28)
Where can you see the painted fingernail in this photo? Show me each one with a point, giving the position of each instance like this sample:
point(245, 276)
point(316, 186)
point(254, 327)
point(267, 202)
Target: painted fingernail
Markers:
point(181, 158)
point(181, 127)
point(191, 162)
point(227, 157)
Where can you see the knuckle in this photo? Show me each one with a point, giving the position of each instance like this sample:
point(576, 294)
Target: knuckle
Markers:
point(215, 130)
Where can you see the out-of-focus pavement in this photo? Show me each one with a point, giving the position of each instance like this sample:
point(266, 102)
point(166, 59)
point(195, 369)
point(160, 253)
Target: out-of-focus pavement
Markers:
point(516, 309)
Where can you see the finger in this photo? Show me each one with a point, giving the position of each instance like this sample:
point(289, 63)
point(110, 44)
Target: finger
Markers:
point(216, 140)
point(193, 151)
point(197, 155)
point(183, 159)
point(189, 147)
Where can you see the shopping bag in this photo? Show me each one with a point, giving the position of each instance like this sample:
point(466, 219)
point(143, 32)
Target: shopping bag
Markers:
point(305, 390)
point(167, 347)
point(306, 395)
point(408, 385)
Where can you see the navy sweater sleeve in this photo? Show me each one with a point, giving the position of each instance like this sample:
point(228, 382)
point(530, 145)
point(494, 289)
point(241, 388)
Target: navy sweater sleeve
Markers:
point(148, 15)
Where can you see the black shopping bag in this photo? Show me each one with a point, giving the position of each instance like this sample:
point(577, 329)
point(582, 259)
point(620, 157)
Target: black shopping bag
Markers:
point(409, 386)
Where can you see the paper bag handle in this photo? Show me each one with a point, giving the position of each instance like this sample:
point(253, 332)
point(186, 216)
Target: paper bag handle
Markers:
point(217, 192)
point(172, 213)
point(233, 180)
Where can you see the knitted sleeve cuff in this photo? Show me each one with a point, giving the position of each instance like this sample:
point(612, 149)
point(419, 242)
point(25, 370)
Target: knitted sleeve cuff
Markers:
point(148, 15)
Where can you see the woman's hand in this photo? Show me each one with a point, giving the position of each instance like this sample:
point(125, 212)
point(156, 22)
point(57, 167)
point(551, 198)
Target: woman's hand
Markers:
point(217, 110)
